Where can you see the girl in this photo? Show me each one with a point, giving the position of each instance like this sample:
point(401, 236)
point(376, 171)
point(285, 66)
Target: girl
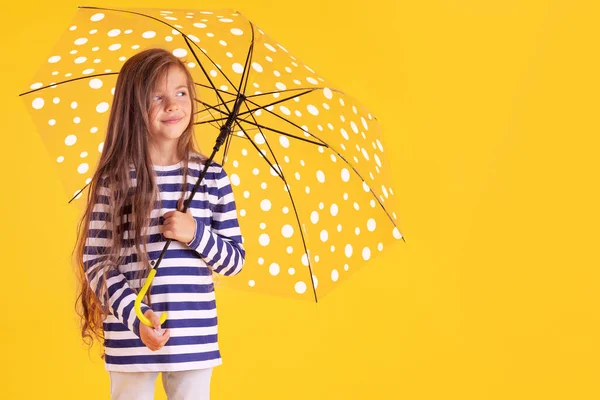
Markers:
point(148, 164)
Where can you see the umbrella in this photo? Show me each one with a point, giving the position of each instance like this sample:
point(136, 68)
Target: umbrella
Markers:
point(306, 161)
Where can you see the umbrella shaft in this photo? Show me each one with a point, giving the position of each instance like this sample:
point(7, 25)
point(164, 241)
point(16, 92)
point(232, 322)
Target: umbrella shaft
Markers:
point(225, 130)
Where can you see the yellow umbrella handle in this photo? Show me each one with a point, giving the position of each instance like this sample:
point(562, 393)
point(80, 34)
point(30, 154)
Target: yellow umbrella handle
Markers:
point(138, 301)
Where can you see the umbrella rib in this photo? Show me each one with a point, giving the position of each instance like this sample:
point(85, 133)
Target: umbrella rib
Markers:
point(205, 73)
point(289, 190)
point(68, 81)
point(311, 89)
point(216, 126)
point(323, 143)
point(246, 71)
point(282, 132)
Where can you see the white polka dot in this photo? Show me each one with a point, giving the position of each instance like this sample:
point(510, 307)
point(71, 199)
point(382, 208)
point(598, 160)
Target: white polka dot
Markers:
point(80, 41)
point(289, 249)
point(83, 154)
point(101, 147)
point(264, 239)
point(275, 170)
point(52, 122)
point(333, 209)
point(354, 127)
point(243, 213)
point(76, 120)
point(235, 179)
point(371, 224)
point(300, 287)
point(114, 32)
point(70, 140)
point(287, 231)
point(328, 93)
point(365, 154)
point(263, 225)
point(237, 32)
point(284, 141)
point(251, 283)
point(180, 52)
point(291, 271)
point(259, 138)
point(97, 17)
point(312, 109)
point(74, 105)
point(265, 205)
point(313, 81)
point(285, 110)
point(345, 175)
point(280, 86)
point(315, 281)
point(80, 60)
point(83, 168)
point(238, 68)
point(88, 71)
point(60, 159)
point(366, 253)
point(37, 103)
point(255, 171)
point(102, 107)
point(324, 235)
point(257, 67)
point(274, 269)
point(268, 46)
point(379, 145)
point(335, 275)
point(54, 59)
point(194, 38)
point(285, 210)
point(396, 233)
point(305, 260)
point(199, 25)
point(357, 231)
point(348, 250)
point(366, 187)
point(380, 246)
point(314, 217)
point(148, 34)
point(114, 47)
point(321, 176)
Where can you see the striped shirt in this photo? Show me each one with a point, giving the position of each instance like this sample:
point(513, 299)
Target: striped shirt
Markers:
point(183, 285)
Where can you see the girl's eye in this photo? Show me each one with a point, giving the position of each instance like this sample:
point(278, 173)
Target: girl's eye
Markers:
point(157, 98)
point(183, 93)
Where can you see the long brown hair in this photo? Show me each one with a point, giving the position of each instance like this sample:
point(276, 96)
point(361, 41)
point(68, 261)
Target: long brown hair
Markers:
point(125, 148)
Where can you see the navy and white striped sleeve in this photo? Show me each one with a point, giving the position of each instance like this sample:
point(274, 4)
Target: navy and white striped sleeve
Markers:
point(95, 261)
point(220, 245)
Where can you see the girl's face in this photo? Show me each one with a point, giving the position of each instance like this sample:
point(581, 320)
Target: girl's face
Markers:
point(170, 106)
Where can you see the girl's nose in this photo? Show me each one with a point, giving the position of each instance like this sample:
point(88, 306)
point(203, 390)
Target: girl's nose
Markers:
point(172, 106)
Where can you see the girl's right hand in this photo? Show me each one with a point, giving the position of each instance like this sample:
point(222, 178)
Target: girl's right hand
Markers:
point(152, 339)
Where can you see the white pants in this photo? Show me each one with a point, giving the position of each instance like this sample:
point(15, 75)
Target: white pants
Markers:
point(181, 385)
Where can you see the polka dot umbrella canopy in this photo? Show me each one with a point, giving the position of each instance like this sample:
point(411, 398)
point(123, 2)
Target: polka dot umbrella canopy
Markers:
point(306, 161)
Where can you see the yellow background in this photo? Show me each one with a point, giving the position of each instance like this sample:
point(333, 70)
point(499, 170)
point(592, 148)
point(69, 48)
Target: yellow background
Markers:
point(490, 110)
